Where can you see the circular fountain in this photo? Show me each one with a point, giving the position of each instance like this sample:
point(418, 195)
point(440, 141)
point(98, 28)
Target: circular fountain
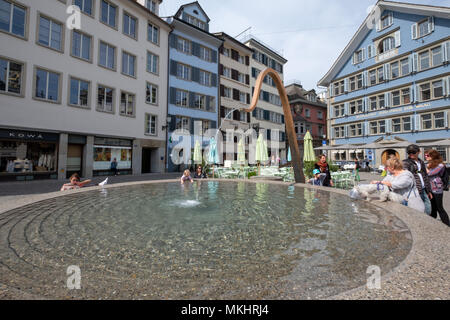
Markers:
point(208, 240)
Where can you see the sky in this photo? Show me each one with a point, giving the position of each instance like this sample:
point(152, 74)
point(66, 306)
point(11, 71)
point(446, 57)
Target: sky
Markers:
point(310, 34)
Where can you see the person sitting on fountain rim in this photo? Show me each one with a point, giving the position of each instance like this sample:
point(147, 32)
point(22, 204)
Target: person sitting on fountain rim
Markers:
point(318, 178)
point(199, 174)
point(186, 176)
point(74, 183)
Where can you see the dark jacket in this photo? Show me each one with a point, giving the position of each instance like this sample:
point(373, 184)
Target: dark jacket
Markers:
point(411, 166)
point(200, 176)
point(326, 181)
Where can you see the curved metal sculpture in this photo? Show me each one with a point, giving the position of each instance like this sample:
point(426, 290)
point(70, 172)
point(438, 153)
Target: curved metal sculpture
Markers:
point(292, 138)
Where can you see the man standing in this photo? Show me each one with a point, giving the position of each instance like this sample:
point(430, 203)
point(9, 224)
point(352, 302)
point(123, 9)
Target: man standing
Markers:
point(417, 167)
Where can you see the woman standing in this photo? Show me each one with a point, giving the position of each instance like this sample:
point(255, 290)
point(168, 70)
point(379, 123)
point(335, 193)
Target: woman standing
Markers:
point(357, 168)
point(323, 167)
point(436, 171)
point(402, 182)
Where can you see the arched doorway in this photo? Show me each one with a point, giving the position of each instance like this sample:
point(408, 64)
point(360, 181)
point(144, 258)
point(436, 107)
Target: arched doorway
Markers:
point(387, 153)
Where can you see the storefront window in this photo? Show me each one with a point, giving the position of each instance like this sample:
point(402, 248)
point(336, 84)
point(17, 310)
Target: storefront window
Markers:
point(27, 157)
point(104, 155)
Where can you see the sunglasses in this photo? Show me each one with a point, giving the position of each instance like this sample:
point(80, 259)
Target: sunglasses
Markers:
point(427, 155)
point(412, 152)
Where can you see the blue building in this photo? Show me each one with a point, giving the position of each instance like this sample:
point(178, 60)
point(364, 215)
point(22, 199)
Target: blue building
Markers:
point(193, 79)
point(391, 82)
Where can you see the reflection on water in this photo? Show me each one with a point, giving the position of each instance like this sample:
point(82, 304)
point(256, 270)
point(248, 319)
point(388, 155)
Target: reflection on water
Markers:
point(208, 239)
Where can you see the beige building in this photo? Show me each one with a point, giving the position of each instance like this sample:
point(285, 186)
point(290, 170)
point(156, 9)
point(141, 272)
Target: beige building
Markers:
point(235, 93)
point(73, 100)
point(268, 114)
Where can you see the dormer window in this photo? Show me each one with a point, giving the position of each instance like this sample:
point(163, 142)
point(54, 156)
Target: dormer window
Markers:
point(385, 21)
point(422, 28)
point(358, 56)
point(151, 5)
point(196, 22)
point(386, 45)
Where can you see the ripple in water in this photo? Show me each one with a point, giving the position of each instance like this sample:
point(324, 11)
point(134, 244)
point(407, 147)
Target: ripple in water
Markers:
point(208, 240)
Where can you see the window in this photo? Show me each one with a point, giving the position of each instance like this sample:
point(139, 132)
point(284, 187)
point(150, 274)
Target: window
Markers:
point(406, 96)
point(108, 14)
point(242, 97)
point(50, 33)
point(373, 128)
point(181, 98)
point(397, 125)
point(227, 92)
point(359, 105)
point(242, 116)
point(396, 98)
point(107, 56)
point(319, 115)
point(127, 104)
point(353, 107)
point(437, 89)
point(381, 102)
point(199, 101)
point(12, 18)
point(442, 151)
point(352, 83)
point(226, 52)
point(358, 56)
point(152, 63)
point(427, 122)
point(84, 5)
point(339, 87)
point(182, 123)
point(10, 76)
point(151, 93)
point(439, 121)
point(395, 70)
point(425, 92)
point(81, 45)
point(405, 66)
point(339, 110)
point(425, 27)
point(373, 103)
point(386, 21)
point(307, 113)
point(128, 64)
point(150, 5)
point(47, 85)
point(372, 77)
point(205, 53)
point(150, 124)
point(406, 123)
point(129, 25)
point(79, 92)
point(226, 72)
point(183, 71)
point(359, 81)
point(205, 125)
point(183, 45)
point(380, 72)
point(152, 33)
point(424, 60)
point(105, 97)
point(356, 130)
point(205, 78)
point(436, 56)
point(386, 45)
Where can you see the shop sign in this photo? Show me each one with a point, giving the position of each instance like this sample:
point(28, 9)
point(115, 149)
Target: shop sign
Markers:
point(28, 135)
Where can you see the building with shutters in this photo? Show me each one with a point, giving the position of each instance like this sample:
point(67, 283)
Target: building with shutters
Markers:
point(73, 100)
point(308, 112)
point(392, 81)
point(235, 93)
point(193, 79)
point(268, 116)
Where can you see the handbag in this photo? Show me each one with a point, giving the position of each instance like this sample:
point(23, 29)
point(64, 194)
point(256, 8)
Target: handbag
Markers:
point(405, 201)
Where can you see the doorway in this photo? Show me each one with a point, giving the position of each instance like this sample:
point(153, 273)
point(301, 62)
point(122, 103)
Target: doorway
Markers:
point(146, 160)
point(387, 153)
point(74, 159)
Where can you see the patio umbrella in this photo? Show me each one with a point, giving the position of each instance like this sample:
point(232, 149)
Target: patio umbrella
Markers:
point(308, 152)
point(213, 156)
point(241, 152)
point(261, 151)
point(197, 152)
point(289, 157)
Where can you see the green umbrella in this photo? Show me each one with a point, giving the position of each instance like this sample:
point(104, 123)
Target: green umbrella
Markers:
point(197, 152)
point(308, 154)
point(289, 157)
point(261, 150)
point(241, 152)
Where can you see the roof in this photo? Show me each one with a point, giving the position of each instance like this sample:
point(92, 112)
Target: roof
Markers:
point(265, 47)
point(225, 36)
point(191, 3)
point(296, 93)
point(363, 30)
point(197, 28)
point(150, 12)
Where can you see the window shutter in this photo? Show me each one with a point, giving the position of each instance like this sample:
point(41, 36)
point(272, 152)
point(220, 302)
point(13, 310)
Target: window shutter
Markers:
point(221, 49)
point(235, 94)
point(332, 132)
point(192, 125)
point(195, 74)
point(265, 96)
point(414, 31)
point(282, 118)
point(253, 72)
point(214, 80)
point(354, 58)
point(446, 119)
point(208, 103)
point(366, 104)
point(248, 98)
point(221, 69)
point(364, 57)
point(416, 93)
point(415, 64)
point(366, 78)
point(173, 40)
point(222, 90)
point(446, 51)
point(448, 86)
point(445, 86)
point(247, 60)
point(410, 63)
point(411, 94)
point(173, 67)
point(391, 18)
point(191, 99)
point(387, 100)
point(430, 24)
point(213, 124)
point(388, 125)
point(222, 111)
point(387, 71)
point(346, 85)
point(214, 56)
point(173, 95)
point(379, 24)
point(417, 125)
point(269, 134)
point(254, 112)
point(247, 79)
point(397, 39)
point(248, 117)
point(173, 123)
point(346, 131)
point(366, 128)
point(346, 111)
point(331, 90)
point(371, 51)
point(195, 49)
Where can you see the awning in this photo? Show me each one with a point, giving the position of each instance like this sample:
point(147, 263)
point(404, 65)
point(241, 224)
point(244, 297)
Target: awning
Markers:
point(359, 151)
point(352, 151)
point(334, 152)
point(342, 151)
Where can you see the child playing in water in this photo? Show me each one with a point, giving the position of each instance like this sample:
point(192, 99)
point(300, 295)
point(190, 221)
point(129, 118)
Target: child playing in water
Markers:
point(74, 183)
point(186, 176)
point(316, 181)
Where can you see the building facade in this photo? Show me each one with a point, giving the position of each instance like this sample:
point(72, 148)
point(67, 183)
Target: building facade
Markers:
point(309, 114)
point(235, 93)
point(392, 81)
point(73, 100)
point(268, 116)
point(193, 80)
